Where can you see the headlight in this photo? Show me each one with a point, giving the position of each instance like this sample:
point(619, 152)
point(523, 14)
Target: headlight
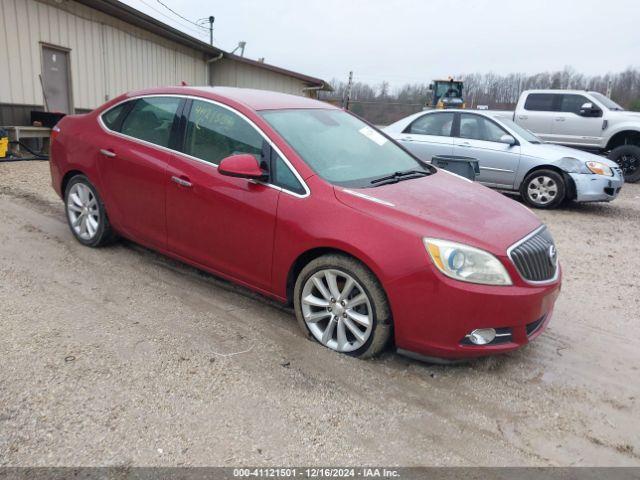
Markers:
point(599, 168)
point(466, 263)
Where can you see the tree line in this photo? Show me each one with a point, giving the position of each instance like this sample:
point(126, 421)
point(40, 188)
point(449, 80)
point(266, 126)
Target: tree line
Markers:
point(382, 104)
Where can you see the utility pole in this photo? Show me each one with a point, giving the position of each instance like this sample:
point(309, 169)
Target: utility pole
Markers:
point(347, 93)
point(211, 20)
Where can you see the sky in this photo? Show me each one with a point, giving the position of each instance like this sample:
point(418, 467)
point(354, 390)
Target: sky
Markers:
point(415, 41)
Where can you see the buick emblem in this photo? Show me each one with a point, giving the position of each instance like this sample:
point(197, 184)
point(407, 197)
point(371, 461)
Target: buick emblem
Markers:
point(553, 255)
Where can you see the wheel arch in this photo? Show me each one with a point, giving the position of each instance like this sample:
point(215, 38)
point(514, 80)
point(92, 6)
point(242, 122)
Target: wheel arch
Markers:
point(570, 185)
point(67, 178)
point(624, 137)
point(311, 254)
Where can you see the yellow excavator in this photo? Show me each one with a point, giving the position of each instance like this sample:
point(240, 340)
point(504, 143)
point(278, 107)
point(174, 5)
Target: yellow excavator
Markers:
point(446, 94)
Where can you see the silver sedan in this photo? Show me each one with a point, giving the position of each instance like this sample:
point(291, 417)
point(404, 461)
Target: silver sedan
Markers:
point(510, 157)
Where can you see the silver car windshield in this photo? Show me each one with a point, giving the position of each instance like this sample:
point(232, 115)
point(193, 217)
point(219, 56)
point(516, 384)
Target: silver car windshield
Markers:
point(341, 148)
point(523, 132)
point(606, 101)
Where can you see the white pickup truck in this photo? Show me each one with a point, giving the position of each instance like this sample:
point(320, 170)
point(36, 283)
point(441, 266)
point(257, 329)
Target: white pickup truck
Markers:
point(585, 120)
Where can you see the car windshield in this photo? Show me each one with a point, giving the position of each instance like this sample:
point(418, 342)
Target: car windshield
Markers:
point(606, 101)
point(341, 148)
point(522, 132)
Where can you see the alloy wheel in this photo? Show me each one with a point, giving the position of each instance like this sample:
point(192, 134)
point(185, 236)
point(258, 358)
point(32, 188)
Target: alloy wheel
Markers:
point(83, 211)
point(337, 310)
point(629, 164)
point(542, 190)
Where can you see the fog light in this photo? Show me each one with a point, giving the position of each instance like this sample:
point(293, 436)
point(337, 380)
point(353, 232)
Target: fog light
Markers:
point(482, 336)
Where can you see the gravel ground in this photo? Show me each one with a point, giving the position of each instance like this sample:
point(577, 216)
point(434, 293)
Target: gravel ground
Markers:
point(119, 356)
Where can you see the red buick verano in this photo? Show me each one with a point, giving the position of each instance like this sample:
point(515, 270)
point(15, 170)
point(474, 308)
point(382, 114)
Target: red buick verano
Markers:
point(308, 204)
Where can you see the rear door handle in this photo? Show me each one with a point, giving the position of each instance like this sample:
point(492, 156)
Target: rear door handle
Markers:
point(407, 139)
point(464, 144)
point(183, 182)
point(107, 153)
point(560, 119)
point(522, 117)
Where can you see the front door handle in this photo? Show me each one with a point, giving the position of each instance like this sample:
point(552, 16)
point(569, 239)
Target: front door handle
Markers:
point(522, 117)
point(560, 119)
point(465, 144)
point(183, 182)
point(107, 153)
point(407, 139)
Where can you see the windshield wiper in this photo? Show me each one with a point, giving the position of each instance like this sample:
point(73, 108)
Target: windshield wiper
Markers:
point(399, 176)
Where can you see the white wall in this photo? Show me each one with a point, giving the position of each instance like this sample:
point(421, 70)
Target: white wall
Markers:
point(232, 73)
point(108, 56)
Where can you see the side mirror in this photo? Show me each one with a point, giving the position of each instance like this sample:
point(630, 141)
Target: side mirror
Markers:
point(588, 109)
point(508, 139)
point(242, 166)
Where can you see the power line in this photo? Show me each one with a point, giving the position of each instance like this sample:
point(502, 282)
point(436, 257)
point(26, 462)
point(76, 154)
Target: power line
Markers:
point(199, 32)
point(176, 13)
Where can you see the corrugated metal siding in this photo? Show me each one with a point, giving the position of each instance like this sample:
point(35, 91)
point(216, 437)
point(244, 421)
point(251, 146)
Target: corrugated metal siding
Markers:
point(237, 74)
point(108, 56)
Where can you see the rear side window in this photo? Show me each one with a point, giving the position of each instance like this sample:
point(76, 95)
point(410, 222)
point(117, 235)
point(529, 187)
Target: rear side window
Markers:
point(113, 118)
point(438, 124)
point(572, 103)
point(151, 119)
point(540, 102)
point(213, 133)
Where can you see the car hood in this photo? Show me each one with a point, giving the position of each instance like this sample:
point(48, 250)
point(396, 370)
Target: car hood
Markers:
point(446, 206)
point(623, 115)
point(551, 153)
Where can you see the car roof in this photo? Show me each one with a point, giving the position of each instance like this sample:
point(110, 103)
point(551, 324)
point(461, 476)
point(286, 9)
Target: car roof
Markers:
point(252, 98)
point(557, 91)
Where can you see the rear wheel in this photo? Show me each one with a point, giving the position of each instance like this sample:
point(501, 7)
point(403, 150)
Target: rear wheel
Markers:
point(543, 189)
point(86, 214)
point(628, 158)
point(340, 303)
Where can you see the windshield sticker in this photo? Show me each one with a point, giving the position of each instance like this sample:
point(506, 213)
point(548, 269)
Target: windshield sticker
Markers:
point(372, 135)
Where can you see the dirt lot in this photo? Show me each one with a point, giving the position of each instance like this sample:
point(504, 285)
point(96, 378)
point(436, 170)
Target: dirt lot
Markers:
point(119, 356)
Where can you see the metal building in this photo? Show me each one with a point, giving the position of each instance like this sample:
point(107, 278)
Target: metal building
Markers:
point(80, 53)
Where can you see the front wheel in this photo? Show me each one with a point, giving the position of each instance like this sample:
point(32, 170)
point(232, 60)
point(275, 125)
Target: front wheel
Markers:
point(340, 303)
point(543, 189)
point(628, 158)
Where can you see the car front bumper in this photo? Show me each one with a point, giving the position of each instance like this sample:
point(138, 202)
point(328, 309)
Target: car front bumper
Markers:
point(596, 188)
point(433, 323)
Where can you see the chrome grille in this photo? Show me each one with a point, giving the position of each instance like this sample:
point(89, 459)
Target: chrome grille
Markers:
point(532, 256)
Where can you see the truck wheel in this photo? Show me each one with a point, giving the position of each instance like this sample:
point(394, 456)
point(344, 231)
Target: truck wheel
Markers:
point(543, 189)
point(628, 157)
point(340, 303)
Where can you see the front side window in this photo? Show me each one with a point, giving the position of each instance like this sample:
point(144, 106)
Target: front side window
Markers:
point(339, 147)
point(282, 176)
point(540, 102)
point(214, 132)
point(151, 119)
point(438, 124)
point(572, 103)
point(477, 127)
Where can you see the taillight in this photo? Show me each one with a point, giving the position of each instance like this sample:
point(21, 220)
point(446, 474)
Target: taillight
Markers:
point(54, 132)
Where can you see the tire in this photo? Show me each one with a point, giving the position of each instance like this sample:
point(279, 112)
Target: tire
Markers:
point(86, 214)
point(628, 158)
point(543, 189)
point(375, 308)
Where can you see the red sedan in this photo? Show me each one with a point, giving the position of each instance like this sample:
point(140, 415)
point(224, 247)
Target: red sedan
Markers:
point(308, 204)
